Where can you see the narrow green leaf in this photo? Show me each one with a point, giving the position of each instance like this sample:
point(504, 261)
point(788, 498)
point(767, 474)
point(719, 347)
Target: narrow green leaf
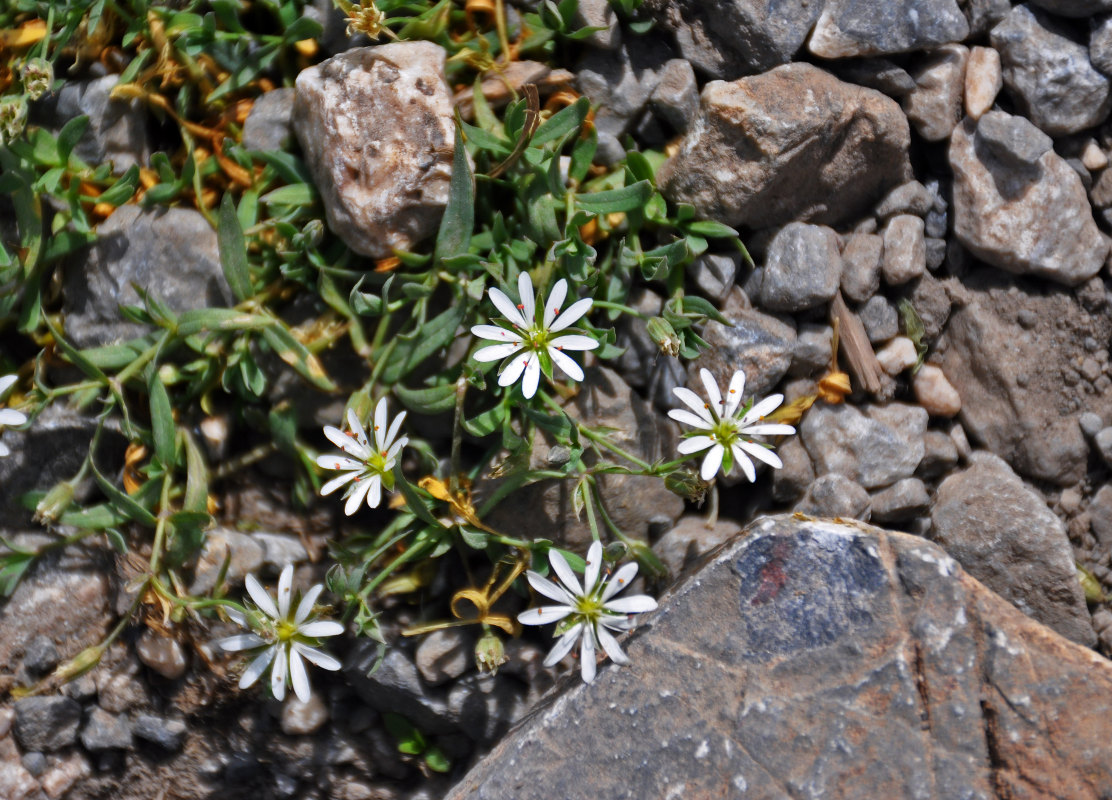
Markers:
point(74, 355)
point(297, 194)
point(699, 305)
point(486, 423)
point(69, 136)
point(121, 191)
point(431, 400)
point(413, 500)
point(122, 501)
point(289, 349)
point(196, 476)
point(563, 122)
point(458, 222)
point(233, 250)
point(409, 352)
point(711, 229)
point(162, 420)
point(220, 319)
point(613, 201)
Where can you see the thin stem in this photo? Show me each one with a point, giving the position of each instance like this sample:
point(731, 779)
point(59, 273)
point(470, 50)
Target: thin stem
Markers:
point(620, 307)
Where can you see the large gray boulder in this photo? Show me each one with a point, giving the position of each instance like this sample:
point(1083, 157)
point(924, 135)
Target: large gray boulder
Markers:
point(848, 28)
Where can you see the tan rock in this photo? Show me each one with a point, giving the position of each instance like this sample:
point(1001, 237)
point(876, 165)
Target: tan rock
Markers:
point(934, 105)
point(1092, 157)
point(984, 79)
point(897, 355)
point(935, 393)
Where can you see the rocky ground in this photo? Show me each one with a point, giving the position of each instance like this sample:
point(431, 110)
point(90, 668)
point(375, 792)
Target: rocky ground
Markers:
point(951, 158)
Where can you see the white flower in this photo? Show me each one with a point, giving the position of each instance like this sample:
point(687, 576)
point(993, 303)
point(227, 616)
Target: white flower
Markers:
point(587, 612)
point(532, 336)
point(9, 416)
point(729, 430)
point(288, 637)
point(371, 466)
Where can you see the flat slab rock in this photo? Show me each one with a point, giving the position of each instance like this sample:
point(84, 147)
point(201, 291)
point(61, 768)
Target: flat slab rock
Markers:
point(816, 659)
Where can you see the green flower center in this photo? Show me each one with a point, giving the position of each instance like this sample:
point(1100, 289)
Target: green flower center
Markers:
point(285, 630)
point(724, 432)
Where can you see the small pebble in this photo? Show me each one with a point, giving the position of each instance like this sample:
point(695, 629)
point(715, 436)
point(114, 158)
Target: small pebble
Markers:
point(1070, 501)
point(1090, 423)
point(897, 355)
point(1103, 441)
point(984, 78)
point(1093, 157)
point(961, 441)
point(935, 393)
point(162, 654)
point(301, 718)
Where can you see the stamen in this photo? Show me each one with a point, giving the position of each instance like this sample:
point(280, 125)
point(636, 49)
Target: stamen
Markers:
point(520, 306)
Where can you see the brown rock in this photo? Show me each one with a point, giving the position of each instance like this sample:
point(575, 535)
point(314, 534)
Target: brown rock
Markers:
point(984, 79)
point(934, 106)
point(935, 393)
point(788, 145)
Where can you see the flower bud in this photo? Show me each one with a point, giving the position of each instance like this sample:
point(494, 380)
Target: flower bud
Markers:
point(55, 503)
point(313, 232)
point(490, 654)
point(665, 336)
point(13, 119)
point(38, 75)
point(686, 484)
point(80, 663)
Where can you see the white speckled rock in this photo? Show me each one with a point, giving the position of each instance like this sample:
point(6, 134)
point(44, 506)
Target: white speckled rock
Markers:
point(376, 127)
point(935, 393)
point(897, 355)
point(984, 78)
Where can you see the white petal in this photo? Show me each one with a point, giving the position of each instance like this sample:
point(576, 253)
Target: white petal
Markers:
point(544, 615)
point(395, 448)
point(321, 628)
point(6, 382)
point(687, 418)
point(694, 402)
point(298, 677)
point(694, 444)
point(258, 667)
point(564, 572)
point(566, 364)
point(571, 314)
point(745, 462)
point(542, 585)
point(261, 598)
point(355, 498)
point(610, 645)
point(318, 657)
point(285, 591)
point(236, 616)
point(588, 664)
point(564, 645)
point(380, 424)
point(9, 416)
point(306, 604)
point(358, 429)
point(496, 352)
point(336, 482)
point(594, 566)
point(574, 341)
point(244, 641)
point(555, 301)
point(532, 376)
point(735, 392)
point(619, 580)
point(768, 429)
point(514, 369)
point(763, 408)
point(395, 426)
point(525, 291)
point(504, 304)
point(761, 454)
point(346, 443)
point(374, 492)
point(4, 450)
point(712, 462)
point(339, 462)
point(711, 386)
point(495, 333)
point(278, 676)
point(637, 604)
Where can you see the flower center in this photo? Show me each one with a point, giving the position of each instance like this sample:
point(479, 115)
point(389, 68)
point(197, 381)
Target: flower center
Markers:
point(284, 630)
point(536, 337)
point(724, 432)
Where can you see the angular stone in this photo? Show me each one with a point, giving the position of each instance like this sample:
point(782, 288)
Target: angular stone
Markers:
point(166, 733)
point(905, 252)
point(940, 455)
point(876, 73)
point(1100, 509)
point(739, 37)
point(375, 124)
point(880, 319)
point(811, 354)
point(46, 722)
point(861, 266)
point(791, 481)
point(243, 552)
point(848, 28)
point(908, 198)
point(170, 253)
point(935, 393)
point(935, 106)
point(683, 547)
point(486, 705)
point(269, 124)
point(599, 14)
point(104, 731)
point(620, 83)
point(984, 78)
point(676, 97)
point(445, 655)
point(821, 648)
point(803, 269)
point(787, 145)
point(896, 356)
point(1002, 532)
point(1100, 44)
point(903, 500)
point(1049, 74)
point(714, 274)
point(1029, 221)
point(16, 782)
point(396, 686)
point(118, 129)
point(875, 450)
point(834, 495)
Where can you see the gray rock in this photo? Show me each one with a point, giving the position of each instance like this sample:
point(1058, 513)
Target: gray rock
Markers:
point(861, 266)
point(791, 481)
point(876, 73)
point(811, 354)
point(162, 654)
point(16, 782)
point(46, 723)
point(117, 129)
point(280, 549)
point(396, 686)
point(1103, 442)
point(1100, 511)
point(1074, 8)
point(907, 198)
point(486, 705)
point(903, 500)
point(905, 251)
point(243, 552)
point(940, 455)
point(738, 37)
point(935, 106)
point(714, 274)
point(1002, 532)
point(40, 656)
point(934, 251)
point(1034, 221)
point(375, 124)
point(834, 495)
point(983, 15)
point(1100, 44)
point(848, 28)
point(269, 124)
point(757, 343)
point(880, 319)
point(168, 734)
point(683, 547)
point(104, 731)
point(787, 145)
point(33, 762)
point(803, 269)
point(170, 253)
point(599, 14)
point(445, 655)
point(933, 299)
point(675, 99)
point(1091, 424)
point(875, 450)
point(820, 647)
point(1049, 74)
point(302, 719)
point(610, 150)
point(621, 82)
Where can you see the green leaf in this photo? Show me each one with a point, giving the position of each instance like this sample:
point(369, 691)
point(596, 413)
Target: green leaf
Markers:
point(409, 739)
point(413, 499)
point(476, 540)
point(413, 349)
point(69, 136)
point(486, 423)
point(458, 222)
point(710, 229)
point(431, 400)
point(297, 194)
point(121, 191)
point(436, 760)
point(233, 250)
point(613, 201)
point(693, 304)
point(74, 355)
point(162, 420)
point(289, 349)
point(220, 319)
point(122, 501)
point(565, 121)
point(95, 518)
point(196, 476)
